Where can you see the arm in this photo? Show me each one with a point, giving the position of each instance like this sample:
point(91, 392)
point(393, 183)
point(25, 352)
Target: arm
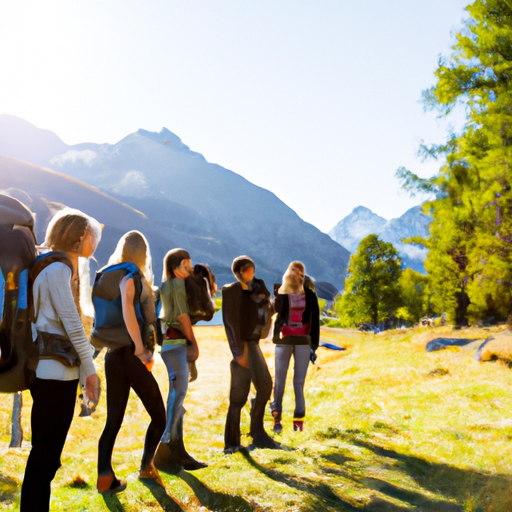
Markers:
point(186, 328)
point(315, 320)
point(281, 305)
point(231, 320)
point(127, 288)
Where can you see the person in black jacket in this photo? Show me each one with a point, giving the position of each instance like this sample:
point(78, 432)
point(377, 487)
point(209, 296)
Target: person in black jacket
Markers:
point(246, 312)
point(297, 333)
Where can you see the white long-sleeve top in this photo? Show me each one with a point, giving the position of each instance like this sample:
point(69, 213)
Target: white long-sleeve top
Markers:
point(55, 312)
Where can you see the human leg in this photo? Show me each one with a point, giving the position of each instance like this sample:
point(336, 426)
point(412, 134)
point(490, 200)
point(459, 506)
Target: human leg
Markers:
point(175, 360)
point(118, 391)
point(301, 355)
point(260, 376)
point(283, 353)
point(144, 384)
point(172, 452)
point(51, 416)
point(238, 393)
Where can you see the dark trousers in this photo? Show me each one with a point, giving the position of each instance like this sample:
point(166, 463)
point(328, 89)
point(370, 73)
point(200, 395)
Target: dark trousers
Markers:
point(241, 379)
point(52, 413)
point(123, 370)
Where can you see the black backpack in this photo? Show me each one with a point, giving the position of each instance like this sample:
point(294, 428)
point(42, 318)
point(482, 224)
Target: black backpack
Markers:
point(18, 352)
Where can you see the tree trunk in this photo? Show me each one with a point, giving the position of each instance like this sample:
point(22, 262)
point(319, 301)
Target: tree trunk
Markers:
point(16, 430)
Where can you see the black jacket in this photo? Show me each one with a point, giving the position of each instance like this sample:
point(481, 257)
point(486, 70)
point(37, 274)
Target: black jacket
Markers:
point(310, 317)
point(245, 313)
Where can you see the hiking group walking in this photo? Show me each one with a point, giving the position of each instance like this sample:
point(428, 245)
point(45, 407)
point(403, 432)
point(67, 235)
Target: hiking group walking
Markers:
point(44, 348)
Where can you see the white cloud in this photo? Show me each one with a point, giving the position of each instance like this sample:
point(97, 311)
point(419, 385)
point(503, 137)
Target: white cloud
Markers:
point(73, 156)
point(413, 252)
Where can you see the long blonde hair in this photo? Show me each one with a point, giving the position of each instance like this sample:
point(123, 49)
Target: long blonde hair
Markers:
point(134, 247)
point(67, 229)
point(287, 285)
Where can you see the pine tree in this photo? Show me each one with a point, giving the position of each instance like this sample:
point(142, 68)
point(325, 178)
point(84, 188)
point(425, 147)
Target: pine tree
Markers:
point(372, 290)
point(470, 258)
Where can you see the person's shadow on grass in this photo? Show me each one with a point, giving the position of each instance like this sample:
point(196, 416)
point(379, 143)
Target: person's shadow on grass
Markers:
point(214, 500)
point(166, 502)
point(112, 503)
point(445, 480)
point(322, 497)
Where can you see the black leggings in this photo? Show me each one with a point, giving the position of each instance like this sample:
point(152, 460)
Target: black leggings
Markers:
point(52, 413)
point(240, 385)
point(123, 370)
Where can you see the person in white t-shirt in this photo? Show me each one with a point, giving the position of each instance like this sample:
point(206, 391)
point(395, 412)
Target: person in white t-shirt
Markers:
point(56, 292)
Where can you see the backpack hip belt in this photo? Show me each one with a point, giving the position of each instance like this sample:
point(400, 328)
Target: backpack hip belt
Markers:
point(58, 347)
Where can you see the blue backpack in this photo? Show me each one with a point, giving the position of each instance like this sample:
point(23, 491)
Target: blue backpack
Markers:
point(109, 329)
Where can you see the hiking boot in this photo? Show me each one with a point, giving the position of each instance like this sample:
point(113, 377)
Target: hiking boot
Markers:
point(109, 484)
point(190, 464)
point(298, 425)
point(171, 457)
point(165, 459)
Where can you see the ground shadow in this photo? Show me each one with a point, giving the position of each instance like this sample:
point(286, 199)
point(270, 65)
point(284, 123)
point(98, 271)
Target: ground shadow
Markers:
point(160, 494)
point(449, 482)
point(8, 488)
point(322, 496)
point(214, 500)
point(417, 500)
point(112, 503)
point(451, 486)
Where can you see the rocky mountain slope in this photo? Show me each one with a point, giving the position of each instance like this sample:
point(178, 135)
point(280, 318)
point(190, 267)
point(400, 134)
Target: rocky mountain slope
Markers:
point(186, 201)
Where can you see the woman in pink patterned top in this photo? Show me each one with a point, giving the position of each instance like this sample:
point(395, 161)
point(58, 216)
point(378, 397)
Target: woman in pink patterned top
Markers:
point(296, 332)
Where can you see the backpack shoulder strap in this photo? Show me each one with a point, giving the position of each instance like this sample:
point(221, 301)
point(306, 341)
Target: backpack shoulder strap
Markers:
point(45, 260)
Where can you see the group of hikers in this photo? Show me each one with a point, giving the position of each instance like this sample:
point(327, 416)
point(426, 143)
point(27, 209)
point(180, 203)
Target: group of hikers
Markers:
point(130, 313)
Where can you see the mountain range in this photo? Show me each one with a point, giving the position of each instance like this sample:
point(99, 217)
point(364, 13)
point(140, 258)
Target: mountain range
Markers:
point(362, 222)
point(154, 183)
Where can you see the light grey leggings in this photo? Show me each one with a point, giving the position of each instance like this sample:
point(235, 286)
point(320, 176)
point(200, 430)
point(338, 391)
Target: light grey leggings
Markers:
point(301, 361)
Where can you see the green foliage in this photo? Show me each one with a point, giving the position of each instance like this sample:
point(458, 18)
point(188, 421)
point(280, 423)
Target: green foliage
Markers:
point(415, 296)
point(471, 233)
point(321, 304)
point(372, 290)
point(414, 431)
point(330, 322)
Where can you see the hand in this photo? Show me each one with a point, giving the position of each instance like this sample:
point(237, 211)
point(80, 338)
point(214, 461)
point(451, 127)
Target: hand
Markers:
point(92, 387)
point(146, 356)
point(192, 372)
point(312, 356)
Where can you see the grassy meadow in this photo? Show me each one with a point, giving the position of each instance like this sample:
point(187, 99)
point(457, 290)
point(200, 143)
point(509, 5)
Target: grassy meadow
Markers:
point(389, 427)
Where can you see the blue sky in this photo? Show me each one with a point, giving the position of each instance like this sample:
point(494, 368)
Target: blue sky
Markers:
point(316, 100)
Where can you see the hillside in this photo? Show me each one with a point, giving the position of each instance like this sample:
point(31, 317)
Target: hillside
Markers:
point(215, 213)
point(389, 428)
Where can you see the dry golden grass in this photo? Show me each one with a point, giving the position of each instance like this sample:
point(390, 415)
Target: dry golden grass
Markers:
point(390, 427)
